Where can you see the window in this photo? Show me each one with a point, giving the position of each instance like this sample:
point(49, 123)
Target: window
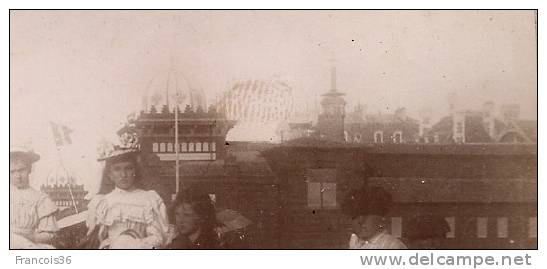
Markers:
point(191, 146)
point(321, 186)
point(155, 147)
point(378, 137)
point(170, 147)
point(321, 195)
point(213, 146)
point(357, 138)
point(205, 146)
point(452, 224)
point(328, 191)
point(436, 139)
point(398, 137)
point(482, 227)
point(184, 147)
point(213, 197)
point(502, 227)
point(396, 226)
point(198, 146)
point(162, 147)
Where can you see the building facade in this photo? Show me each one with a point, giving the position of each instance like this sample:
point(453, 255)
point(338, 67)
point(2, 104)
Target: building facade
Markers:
point(396, 128)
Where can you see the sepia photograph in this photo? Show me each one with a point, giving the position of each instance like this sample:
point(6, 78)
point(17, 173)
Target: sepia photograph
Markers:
point(273, 129)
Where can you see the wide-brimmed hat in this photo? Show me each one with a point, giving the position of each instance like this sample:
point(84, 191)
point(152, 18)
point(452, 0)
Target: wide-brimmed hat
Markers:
point(24, 153)
point(114, 152)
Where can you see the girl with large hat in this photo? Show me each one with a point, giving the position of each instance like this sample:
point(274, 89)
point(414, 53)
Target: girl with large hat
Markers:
point(32, 213)
point(123, 215)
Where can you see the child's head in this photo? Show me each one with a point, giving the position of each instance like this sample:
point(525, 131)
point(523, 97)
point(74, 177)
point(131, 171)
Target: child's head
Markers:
point(367, 226)
point(367, 208)
point(193, 210)
point(20, 163)
point(122, 172)
point(426, 231)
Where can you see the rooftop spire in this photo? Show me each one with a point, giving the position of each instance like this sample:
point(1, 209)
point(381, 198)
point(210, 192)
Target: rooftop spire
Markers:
point(332, 72)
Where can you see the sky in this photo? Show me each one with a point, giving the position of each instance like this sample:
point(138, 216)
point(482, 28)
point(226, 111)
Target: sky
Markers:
point(89, 69)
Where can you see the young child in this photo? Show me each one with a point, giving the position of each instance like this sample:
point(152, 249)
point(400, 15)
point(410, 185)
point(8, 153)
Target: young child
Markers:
point(32, 213)
point(426, 231)
point(195, 221)
point(367, 208)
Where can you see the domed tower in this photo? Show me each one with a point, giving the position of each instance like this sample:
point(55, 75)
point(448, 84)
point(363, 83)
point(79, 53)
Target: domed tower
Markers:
point(166, 90)
point(259, 106)
point(330, 124)
point(175, 125)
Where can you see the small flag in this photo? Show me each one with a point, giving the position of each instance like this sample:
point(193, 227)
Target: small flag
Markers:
point(61, 134)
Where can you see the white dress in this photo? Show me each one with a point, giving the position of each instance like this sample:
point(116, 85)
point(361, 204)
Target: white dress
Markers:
point(382, 240)
point(31, 212)
point(142, 212)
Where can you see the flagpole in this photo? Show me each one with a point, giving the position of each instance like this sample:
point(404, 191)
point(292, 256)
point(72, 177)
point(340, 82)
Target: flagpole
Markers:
point(177, 179)
point(59, 146)
point(68, 178)
point(72, 197)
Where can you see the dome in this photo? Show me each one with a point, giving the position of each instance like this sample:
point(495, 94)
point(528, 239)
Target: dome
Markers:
point(258, 100)
point(258, 106)
point(171, 88)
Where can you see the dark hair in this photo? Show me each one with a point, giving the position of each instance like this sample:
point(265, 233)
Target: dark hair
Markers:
point(367, 201)
point(204, 208)
point(107, 185)
point(426, 226)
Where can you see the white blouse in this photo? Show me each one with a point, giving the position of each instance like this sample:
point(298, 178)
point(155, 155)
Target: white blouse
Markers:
point(382, 240)
point(31, 212)
point(141, 211)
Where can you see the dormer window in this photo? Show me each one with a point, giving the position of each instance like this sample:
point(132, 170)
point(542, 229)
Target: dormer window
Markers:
point(378, 137)
point(398, 137)
point(357, 138)
point(162, 147)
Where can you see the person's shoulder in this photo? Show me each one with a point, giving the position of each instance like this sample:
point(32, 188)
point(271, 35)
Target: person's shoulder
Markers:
point(394, 242)
point(38, 196)
point(152, 196)
point(96, 200)
point(32, 194)
point(44, 205)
